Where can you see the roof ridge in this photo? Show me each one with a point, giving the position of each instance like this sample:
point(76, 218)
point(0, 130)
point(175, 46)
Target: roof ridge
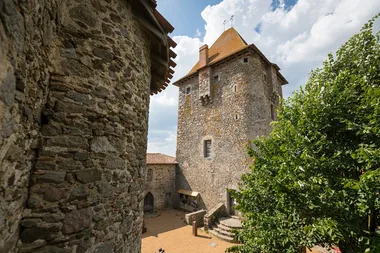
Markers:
point(157, 153)
point(159, 158)
point(228, 42)
point(233, 29)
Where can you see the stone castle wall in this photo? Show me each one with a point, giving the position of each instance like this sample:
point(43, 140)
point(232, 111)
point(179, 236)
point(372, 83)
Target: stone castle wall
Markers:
point(26, 31)
point(74, 97)
point(261, 95)
point(239, 112)
point(161, 184)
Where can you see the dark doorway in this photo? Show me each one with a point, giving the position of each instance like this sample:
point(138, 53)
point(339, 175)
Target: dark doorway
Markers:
point(168, 199)
point(231, 204)
point(148, 203)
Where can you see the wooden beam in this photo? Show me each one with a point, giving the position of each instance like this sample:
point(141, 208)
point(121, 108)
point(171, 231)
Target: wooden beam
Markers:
point(172, 63)
point(171, 42)
point(172, 54)
point(153, 30)
point(150, 12)
point(169, 75)
point(163, 22)
point(160, 60)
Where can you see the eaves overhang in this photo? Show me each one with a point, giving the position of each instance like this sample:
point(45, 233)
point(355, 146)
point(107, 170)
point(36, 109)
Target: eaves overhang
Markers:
point(162, 54)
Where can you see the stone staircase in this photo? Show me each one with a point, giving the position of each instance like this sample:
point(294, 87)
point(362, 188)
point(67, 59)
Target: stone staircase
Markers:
point(223, 228)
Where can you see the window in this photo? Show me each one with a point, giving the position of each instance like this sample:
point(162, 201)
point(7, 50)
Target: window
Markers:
point(265, 78)
point(272, 112)
point(188, 90)
point(216, 78)
point(235, 89)
point(236, 117)
point(207, 148)
point(149, 175)
point(245, 60)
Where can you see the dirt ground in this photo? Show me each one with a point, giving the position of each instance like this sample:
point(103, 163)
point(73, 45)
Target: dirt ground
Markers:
point(169, 232)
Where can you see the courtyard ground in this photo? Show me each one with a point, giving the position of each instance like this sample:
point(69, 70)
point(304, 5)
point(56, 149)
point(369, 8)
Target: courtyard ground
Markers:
point(168, 231)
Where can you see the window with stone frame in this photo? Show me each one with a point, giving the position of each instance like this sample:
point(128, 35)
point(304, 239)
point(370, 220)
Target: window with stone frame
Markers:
point(207, 148)
point(188, 90)
point(216, 78)
point(149, 176)
point(245, 59)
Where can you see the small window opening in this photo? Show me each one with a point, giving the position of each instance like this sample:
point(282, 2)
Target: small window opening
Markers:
point(149, 176)
point(216, 78)
point(245, 60)
point(207, 148)
point(272, 112)
point(44, 119)
point(188, 90)
point(236, 117)
point(235, 89)
point(265, 78)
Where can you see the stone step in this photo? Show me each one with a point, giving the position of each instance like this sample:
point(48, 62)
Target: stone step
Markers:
point(230, 222)
point(223, 232)
point(221, 226)
point(222, 237)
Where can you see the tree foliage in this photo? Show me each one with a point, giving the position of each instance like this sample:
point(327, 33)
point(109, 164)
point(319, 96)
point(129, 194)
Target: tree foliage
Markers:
point(316, 178)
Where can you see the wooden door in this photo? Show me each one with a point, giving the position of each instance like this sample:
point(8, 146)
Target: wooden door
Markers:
point(148, 203)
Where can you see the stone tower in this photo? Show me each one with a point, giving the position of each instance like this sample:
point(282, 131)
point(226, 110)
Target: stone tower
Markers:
point(75, 83)
point(227, 99)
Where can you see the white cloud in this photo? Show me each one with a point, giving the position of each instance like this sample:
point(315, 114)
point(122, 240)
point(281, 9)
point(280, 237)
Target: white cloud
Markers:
point(247, 14)
point(162, 141)
point(164, 100)
point(198, 33)
point(164, 106)
point(297, 39)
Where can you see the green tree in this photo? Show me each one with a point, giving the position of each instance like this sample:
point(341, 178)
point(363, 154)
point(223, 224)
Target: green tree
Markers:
point(316, 178)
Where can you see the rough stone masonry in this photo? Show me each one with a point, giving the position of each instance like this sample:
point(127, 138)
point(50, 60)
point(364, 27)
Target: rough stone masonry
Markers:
point(75, 81)
point(227, 100)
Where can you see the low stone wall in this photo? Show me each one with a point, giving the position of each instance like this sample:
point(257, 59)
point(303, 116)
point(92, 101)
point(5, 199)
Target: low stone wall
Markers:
point(197, 216)
point(219, 210)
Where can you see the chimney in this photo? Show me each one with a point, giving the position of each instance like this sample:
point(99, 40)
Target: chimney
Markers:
point(203, 56)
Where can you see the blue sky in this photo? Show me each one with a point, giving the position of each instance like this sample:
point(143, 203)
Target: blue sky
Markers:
point(185, 14)
point(295, 34)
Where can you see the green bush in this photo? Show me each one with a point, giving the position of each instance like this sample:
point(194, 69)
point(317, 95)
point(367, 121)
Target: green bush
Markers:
point(316, 178)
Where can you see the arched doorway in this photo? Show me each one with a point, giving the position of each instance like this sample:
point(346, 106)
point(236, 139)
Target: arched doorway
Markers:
point(148, 203)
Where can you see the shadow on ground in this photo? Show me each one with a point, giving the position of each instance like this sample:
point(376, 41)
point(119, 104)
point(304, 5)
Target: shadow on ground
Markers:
point(168, 231)
point(161, 222)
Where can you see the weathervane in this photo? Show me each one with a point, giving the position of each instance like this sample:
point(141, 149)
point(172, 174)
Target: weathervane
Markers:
point(232, 20)
point(224, 24)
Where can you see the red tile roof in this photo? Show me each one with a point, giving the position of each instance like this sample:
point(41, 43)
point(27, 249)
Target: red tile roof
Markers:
point(158, 158)
point(228, 44)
